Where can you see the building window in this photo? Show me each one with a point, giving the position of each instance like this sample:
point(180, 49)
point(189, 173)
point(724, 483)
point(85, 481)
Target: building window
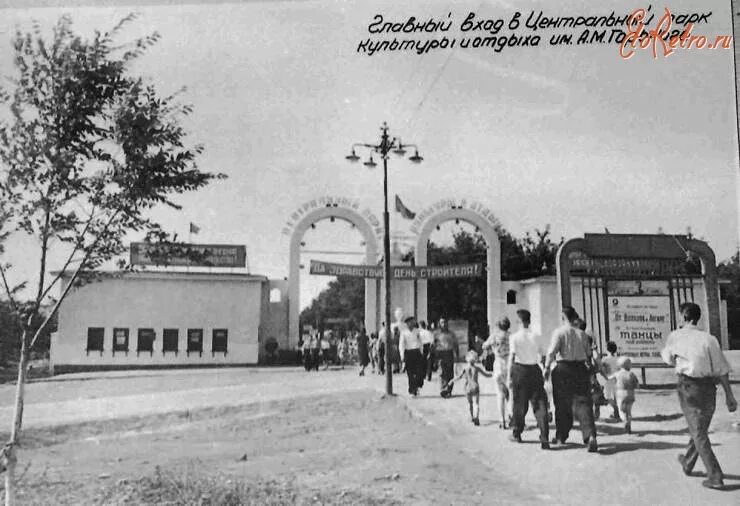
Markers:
point(145, 341)
point(220, 340)
point(120, 340)
point(275, 296)
point(511, 297)
point(170, 339)
point(195, 341)
point(95, 339)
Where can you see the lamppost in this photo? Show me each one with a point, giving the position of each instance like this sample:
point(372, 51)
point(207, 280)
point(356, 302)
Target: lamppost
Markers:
point(387, 144)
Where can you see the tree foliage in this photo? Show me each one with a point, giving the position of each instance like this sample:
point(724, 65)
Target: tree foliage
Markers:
point(86, 150)
point(730, 270)
point(343, 298)
point(466, 299)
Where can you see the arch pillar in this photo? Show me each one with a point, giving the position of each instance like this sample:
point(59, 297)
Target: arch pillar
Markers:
point(495, 302)
point(294, 290)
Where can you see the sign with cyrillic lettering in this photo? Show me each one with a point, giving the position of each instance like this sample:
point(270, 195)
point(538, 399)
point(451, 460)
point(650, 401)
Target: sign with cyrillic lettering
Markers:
point(640, 325)
point(204, 255)
point(397, 272)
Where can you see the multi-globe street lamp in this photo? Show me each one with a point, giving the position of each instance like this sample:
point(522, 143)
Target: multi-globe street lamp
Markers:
point(386, 145)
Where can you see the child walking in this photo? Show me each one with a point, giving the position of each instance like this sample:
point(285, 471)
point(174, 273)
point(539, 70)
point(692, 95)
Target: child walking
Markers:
point(625, 384)
point(472, 389)
point(609, 367)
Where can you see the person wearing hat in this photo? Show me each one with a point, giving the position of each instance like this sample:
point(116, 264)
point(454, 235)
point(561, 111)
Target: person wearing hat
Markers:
point(700, 365)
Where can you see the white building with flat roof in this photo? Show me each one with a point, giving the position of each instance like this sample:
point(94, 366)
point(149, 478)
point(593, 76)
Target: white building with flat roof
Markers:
point(163, 318)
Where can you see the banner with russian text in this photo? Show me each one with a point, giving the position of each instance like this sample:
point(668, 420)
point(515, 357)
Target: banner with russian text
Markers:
point(180, 255)
point(397, 272)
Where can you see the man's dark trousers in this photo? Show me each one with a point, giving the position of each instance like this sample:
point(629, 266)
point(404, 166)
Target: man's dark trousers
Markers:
point(529, 387)
point(315, 358)
point(447, 366)
point(428, 353)
point(698, 401)
point(570, 391)
point(414, 369)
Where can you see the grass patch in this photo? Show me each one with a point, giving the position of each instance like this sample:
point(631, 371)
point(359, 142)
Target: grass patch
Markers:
point(191, 489)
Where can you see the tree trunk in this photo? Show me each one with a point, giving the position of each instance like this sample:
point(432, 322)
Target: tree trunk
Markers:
point(10, 453)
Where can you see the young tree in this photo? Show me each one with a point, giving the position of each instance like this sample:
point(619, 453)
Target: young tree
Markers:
point(86, 150)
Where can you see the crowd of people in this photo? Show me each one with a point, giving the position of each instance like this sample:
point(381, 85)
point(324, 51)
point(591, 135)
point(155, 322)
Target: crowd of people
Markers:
point(322, 349)
point(563, 372)
point(528, 372)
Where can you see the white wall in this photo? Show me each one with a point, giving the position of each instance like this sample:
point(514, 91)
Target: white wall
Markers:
point(540, 297)
point(158, 301)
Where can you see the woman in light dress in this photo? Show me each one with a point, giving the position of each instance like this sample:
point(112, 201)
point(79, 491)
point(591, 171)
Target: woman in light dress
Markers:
point(498, 344)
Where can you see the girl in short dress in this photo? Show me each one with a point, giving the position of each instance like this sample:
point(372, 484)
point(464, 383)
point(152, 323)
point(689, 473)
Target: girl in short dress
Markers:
point(498, 343)
point(609, 367)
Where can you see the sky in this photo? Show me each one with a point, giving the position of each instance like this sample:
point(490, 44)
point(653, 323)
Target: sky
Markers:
point(571, 136)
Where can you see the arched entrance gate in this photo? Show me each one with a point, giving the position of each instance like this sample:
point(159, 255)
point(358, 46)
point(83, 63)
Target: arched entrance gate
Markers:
point(483, 219)
point(322, 209)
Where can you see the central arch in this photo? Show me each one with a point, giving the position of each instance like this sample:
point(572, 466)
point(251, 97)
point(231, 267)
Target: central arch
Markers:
point(495, 303)
point(371, 257)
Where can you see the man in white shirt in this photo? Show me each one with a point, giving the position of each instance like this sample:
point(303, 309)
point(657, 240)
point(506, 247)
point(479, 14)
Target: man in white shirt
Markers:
point(700, 365)
point(525, 379)
point(409, 347)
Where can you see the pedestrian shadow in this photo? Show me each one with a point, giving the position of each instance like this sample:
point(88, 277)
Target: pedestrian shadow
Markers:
point(618, 430)
point(614, 448)
point(659, 432)
point(726, 477)
point(657, 418)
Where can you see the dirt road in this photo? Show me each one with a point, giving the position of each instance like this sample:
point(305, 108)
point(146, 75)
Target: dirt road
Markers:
point(328, 436)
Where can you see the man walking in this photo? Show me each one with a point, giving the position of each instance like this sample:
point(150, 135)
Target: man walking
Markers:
point(427, 343)
point(315, 347)
point(410, 348)
point(446, 348)
point(571, 384)
point(381, 349)
point(525, 379)
point(700, 365)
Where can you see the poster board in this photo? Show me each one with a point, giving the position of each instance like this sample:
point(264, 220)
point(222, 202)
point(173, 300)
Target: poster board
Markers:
point(639, 318)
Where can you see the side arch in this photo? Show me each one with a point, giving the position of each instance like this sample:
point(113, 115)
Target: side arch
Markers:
point(294, 278)
point(495, 302)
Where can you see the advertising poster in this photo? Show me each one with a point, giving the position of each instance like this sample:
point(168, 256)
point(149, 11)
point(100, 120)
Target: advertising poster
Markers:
point(640, 326)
